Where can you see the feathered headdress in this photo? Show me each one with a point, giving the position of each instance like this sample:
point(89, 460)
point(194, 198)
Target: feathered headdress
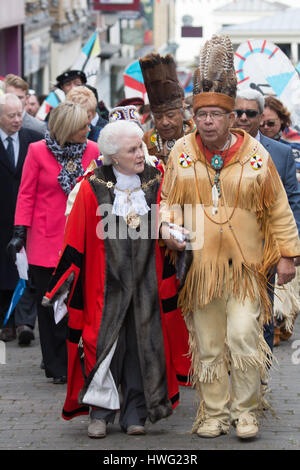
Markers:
point(215, 81)
point(161, 82)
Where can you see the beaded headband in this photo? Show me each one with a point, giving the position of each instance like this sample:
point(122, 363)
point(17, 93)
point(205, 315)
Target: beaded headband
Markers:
point(125, 113)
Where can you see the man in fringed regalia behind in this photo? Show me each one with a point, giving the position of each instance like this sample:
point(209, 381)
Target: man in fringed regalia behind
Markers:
point(166, 100)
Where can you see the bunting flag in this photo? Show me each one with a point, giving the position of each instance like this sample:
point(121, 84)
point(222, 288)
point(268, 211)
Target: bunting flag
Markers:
point(134, 82)
point(185, 77)
point(88, 61)
point(53, 99)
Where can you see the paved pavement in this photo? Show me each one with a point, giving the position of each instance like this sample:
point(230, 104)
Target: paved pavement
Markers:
point(30, 411)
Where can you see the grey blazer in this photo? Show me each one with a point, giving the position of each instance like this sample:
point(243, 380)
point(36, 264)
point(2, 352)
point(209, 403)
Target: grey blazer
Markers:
point(33, 123)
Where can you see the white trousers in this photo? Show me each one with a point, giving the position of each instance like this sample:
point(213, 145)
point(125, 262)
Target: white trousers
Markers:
point(228, 357)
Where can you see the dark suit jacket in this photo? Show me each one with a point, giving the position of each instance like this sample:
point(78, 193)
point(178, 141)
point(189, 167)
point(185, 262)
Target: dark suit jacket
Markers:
point(10, 179)
point(95, 130)
point(283, 158)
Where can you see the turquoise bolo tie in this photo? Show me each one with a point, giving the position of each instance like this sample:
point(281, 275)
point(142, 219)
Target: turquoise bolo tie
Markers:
point(217, 163)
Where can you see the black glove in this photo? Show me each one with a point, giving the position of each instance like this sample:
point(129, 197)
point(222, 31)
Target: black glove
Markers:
point(17, 242)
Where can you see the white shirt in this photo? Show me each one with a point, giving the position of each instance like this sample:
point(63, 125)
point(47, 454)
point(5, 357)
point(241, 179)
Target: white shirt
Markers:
point(16, 143)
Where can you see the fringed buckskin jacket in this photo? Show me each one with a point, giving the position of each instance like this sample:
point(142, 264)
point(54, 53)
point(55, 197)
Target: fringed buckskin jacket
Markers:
point(103, 276)
point(253, 227)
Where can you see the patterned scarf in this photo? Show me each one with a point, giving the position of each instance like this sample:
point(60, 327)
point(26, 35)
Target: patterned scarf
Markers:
point(69, 157)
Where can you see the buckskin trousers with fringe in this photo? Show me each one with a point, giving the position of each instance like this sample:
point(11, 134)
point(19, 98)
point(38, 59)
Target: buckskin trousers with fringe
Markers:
point(229, 358)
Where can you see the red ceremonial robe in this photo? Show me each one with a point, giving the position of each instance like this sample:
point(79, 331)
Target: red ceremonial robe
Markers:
point(91, 268)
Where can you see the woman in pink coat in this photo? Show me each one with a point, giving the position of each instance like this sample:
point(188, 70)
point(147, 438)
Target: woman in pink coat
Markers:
point(50, 171)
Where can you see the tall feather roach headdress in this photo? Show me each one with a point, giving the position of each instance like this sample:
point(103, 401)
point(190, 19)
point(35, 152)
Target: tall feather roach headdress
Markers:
point(161, 82)
point(215, 81)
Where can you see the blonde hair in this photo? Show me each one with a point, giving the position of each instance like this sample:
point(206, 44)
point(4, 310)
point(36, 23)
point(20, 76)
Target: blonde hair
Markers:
point(17, 82)
point(83, 96)
point(66, 119)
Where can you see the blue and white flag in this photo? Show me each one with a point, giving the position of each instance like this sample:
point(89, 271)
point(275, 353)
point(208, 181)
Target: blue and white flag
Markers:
point(88, 60)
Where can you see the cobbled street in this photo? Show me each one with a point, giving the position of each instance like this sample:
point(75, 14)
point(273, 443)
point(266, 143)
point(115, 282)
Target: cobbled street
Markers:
point(30, 411)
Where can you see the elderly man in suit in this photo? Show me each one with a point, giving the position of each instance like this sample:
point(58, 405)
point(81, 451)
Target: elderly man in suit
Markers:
point(14, 142)
point(26, 310)
point(17, 86)
point(249, 107)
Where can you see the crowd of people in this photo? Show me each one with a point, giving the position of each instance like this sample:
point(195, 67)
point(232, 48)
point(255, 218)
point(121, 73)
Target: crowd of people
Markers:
point(156, 236)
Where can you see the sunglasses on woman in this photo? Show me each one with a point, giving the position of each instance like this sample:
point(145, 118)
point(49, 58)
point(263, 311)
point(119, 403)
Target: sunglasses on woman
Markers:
point(250, 113)
point(269, 123)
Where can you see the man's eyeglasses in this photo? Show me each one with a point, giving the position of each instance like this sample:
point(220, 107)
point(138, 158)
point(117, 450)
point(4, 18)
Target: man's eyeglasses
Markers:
point(269, 123)
point(250, 113)
point(214, 115)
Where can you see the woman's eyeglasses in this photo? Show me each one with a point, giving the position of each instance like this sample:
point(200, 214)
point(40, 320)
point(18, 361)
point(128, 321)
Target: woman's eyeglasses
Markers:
point(250, 113)
point(269, 123)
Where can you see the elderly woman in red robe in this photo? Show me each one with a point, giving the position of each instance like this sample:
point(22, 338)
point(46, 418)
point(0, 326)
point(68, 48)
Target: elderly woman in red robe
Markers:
point(110, 275)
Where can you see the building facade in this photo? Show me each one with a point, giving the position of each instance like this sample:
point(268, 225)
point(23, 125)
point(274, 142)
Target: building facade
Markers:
point(37, 45)
point(12, 19)
point(127, 35)
point(223, 17)
point(69, 31)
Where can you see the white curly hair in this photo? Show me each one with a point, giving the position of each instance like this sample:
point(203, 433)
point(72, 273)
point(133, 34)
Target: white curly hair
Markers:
point(110, 139)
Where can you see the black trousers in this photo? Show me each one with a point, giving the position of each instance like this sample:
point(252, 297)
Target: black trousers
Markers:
point(126, 372)
point(52, 336)
point(26, 309)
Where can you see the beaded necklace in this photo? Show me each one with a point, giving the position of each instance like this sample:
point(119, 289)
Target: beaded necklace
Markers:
point(158, 142)
point(217, 164)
